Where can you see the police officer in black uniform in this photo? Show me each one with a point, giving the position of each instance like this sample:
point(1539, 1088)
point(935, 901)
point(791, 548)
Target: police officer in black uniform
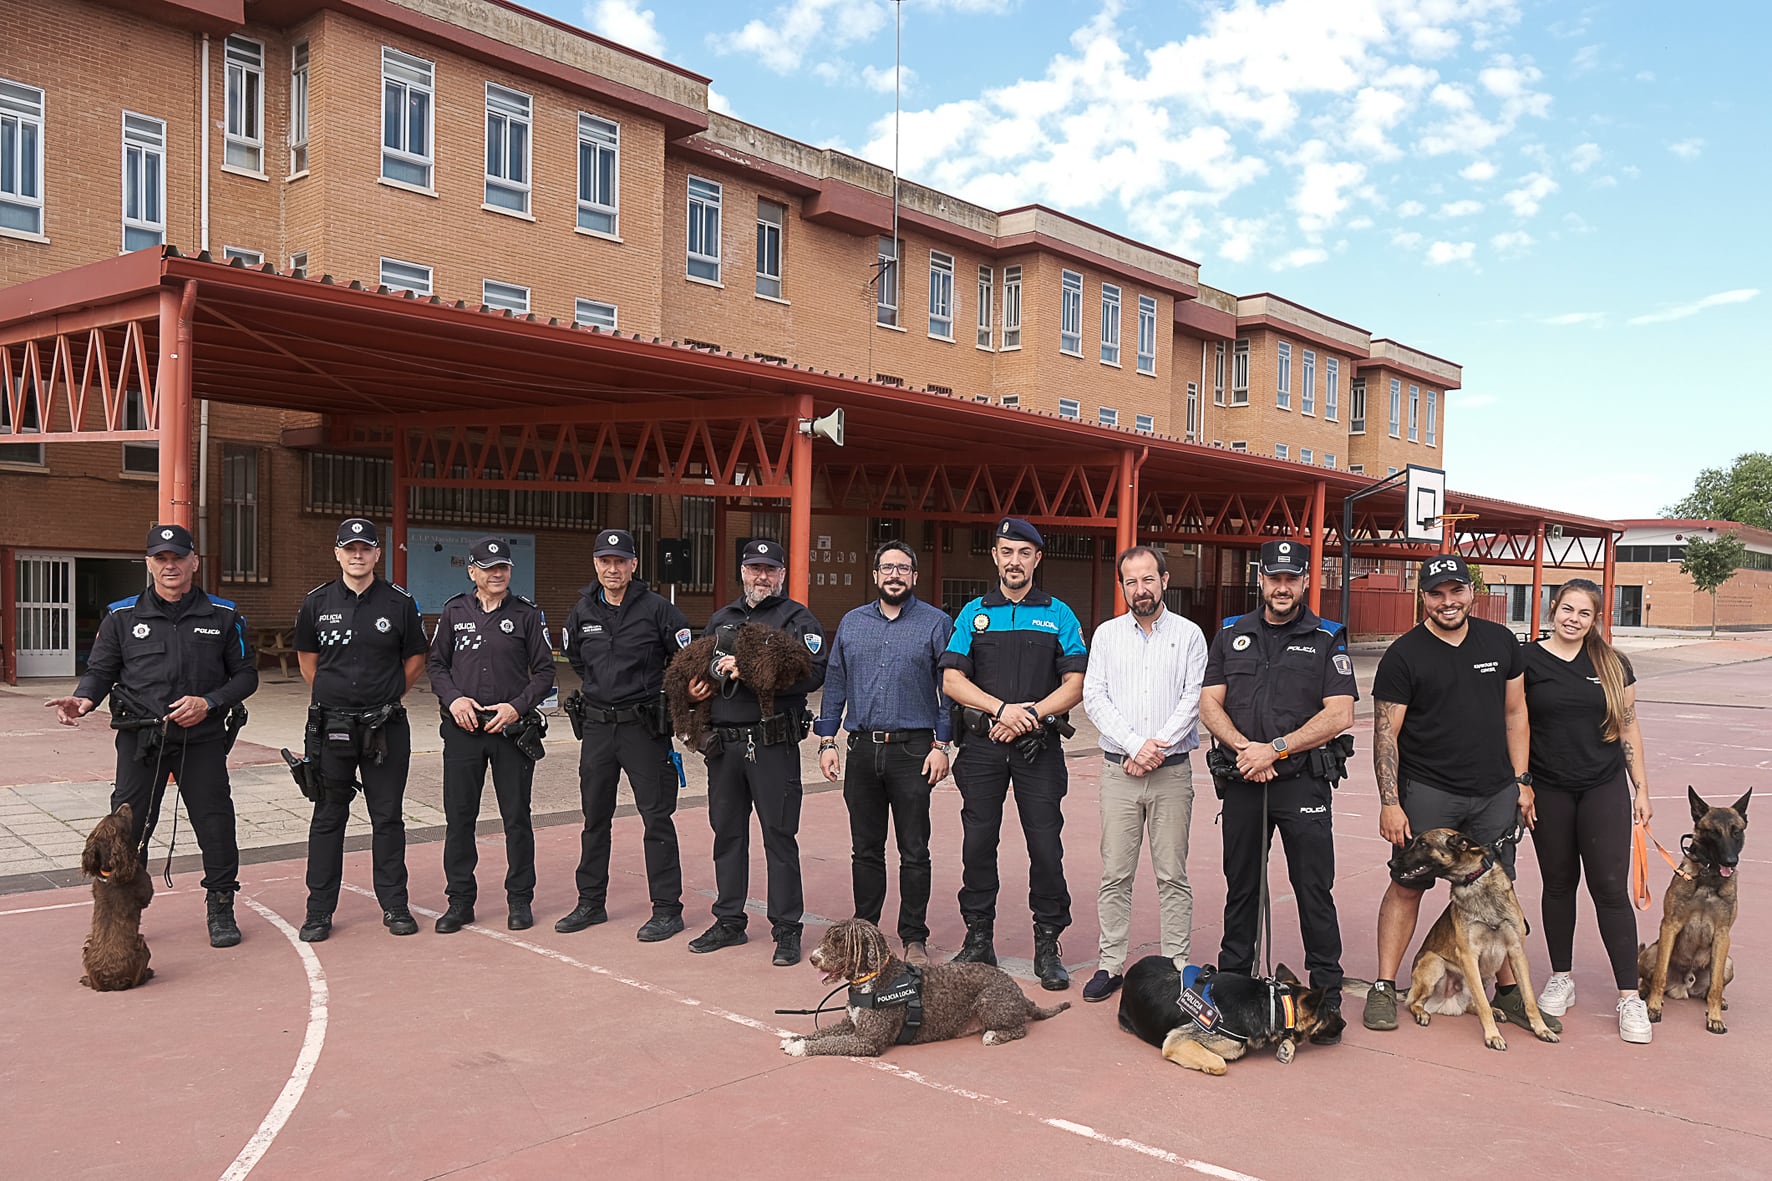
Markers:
point(756, 761)
point(1279, 690)
point(176, 664)
point(1015, 664)
point(361, 646)
point(618, 639)
point(491, 665)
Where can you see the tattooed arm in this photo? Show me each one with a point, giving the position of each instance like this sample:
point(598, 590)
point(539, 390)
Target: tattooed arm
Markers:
point(1387, 724)
point(1631, 736)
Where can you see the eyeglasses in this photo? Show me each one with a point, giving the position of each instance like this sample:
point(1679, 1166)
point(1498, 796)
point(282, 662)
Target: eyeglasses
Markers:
point(900, 568)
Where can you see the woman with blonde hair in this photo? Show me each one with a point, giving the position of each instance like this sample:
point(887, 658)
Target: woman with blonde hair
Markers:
point(1586, 752)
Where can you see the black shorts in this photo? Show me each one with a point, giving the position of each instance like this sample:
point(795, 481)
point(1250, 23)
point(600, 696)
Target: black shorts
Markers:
point(1484, 819)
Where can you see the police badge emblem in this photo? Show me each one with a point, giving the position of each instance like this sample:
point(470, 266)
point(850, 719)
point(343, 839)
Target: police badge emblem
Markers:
point(383, 623)
point(505, 626)
point(140, 631)
point(981, 622)
point(1240, 643)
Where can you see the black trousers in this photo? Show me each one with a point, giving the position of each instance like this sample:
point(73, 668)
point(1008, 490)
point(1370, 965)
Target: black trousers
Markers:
point(885, 780)
point(384, 794)
point(1588, 829)
point(984, 770)
point(202, 771)
point(771, 784)
point(466, 757)
point(1300, 809)
point(609, 749)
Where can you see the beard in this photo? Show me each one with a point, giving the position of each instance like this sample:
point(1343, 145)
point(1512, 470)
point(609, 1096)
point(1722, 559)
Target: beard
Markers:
point(895, 598)
point(1014, 580)
point(754, 595)
point(1433, 617)
point(1278, 614)
point(1145, 606)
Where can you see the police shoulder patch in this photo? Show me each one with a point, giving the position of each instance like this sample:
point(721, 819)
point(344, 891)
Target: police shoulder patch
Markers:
point(1344, 664)
point(220, 602)
point(683, 637)
point(813, 642)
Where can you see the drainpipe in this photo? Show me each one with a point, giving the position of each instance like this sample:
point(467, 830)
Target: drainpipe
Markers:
point(210, 569)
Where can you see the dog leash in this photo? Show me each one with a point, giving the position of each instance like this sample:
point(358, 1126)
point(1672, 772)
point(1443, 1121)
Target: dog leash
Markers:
point(822, 1007)
point(1641, 839)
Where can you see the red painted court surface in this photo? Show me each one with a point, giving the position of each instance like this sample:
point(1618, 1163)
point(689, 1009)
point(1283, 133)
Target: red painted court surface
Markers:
point(489, 1055)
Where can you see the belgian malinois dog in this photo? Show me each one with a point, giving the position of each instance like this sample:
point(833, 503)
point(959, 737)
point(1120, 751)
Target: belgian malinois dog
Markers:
point(1482, 926)
point(1691, 958)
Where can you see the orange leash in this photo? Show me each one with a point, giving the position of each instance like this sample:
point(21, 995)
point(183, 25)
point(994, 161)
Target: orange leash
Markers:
point(1641, 839)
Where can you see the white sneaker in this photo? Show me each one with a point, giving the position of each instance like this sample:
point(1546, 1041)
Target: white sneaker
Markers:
point(1558, 994)
point(1633, 1020)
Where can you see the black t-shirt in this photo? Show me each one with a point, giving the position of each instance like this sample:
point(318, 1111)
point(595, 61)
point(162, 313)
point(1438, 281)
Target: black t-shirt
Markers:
point(363, 642)
point(1568, 710)
point(1454, 735)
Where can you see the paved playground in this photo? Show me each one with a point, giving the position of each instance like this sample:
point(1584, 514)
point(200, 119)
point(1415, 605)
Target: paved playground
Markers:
point(490, 1055)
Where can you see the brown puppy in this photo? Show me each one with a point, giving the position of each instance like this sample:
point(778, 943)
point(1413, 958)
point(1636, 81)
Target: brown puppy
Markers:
point(1482, 926)
point(116, 955)
point(1697, 914)
point(769, 660)
point(957, 999)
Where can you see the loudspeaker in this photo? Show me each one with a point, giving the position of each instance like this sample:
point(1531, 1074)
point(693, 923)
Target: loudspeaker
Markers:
point(829, 427)
point(675, 563)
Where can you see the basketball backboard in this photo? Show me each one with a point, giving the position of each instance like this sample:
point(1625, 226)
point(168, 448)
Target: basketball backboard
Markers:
point(1424, 499)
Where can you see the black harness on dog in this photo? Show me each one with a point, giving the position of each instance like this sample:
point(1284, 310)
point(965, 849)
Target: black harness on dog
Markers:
point(1196, 1005)
point(907, 990)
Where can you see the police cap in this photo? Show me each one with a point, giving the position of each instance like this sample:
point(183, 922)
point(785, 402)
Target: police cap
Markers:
point(174, 539)
point(489, 552)
point(617, 543)
point(1016, 529)
point(1285, 557)
point(762, 551)
point(357, 529)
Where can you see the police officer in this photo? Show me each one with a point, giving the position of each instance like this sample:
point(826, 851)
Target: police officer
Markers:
point(755, 761)
point(1016, 663)
point(361, 646)
point(1279, 687)
point(176, 665)
point(618, 639)
point(491, 665)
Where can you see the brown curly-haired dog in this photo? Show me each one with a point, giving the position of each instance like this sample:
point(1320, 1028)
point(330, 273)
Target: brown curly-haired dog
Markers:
point(116, 955)
point(769, 660)
point(958, 999)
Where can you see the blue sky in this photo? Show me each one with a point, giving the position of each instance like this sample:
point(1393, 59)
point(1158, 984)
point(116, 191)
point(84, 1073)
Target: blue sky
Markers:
point(1555, 195)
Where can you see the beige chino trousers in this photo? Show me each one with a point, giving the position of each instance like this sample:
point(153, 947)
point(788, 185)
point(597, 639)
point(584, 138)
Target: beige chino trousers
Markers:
point(1161, 803)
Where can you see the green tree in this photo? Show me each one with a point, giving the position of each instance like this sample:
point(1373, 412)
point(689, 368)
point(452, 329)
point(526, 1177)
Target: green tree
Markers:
point(1741, 492)
point(1712, 563)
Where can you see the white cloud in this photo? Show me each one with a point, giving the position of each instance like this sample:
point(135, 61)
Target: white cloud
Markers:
point(1441, 253)
point(1526, 200)
point(1511, 242)
point(1478, 170)
point(1411, 209)
point(1461, 208)
point(1239, 237)
point(1570, 319)
point(1406, 239)
point(1322, 185)
point(626, 22)
point(1687, 310)
point(1586, 58)
point(1465, 128)
point(802, 27)
point(881, 81)
point(1360, 223)
point(1584, 157)
point(1302, 257)
point(1687, 149)
point(719, 102)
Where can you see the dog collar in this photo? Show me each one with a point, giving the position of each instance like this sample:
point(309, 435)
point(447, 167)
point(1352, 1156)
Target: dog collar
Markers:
point(864, 979)
point(1488, 864)
point(104, 873)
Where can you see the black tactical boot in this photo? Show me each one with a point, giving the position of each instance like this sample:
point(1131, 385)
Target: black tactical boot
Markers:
point(1048, 960)
point(223, 931)
point(978, 948)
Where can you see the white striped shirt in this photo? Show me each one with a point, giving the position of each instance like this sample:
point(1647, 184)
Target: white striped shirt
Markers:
point(1142, 687)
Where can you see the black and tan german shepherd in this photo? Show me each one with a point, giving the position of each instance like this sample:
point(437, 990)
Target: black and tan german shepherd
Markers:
point(1247, 1013)
point(1691, 958)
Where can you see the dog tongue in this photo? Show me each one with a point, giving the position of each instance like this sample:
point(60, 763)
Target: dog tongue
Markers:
point(1725, 870)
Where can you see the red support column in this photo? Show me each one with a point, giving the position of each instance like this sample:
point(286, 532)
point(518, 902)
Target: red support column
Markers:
point(172, 397)
point(402, 496)
point(1125, 522)
point(1534, 614)
point(1318, 499)
point(1608, 585)
point(800, 508)
point(8, 615)
point(932, 589)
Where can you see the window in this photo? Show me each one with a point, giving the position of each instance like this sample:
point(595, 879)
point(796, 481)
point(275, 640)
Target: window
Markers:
point(245, 139)
point(1239, 445)
point(1218, 374)
point(886, 294)
point(704, 229)
point(1070, 321)
point(1283, 376)
point(599, 174)
point(1108, 416)
point(1414, 412)
point(144, 181)
point(1012, 401)
point(298, 264)
point(770, 216)
point(405, 276)
point(1331, 388)
point(941, 295)
point(1306, 455)
point(1068, 408)
point(984, 307)
point(588, 313)
point(1110, 324)
point(507, 148)
point(1356, 406)
point(406, 117)
point(1433, 412)
point(1193, 411)
point(1147, 334)
point(698, 531)
point(1281, 451)
point(30, 422)
point(1396, 408)
point(1329, 459)
point(1358, 469)
point(1145, 423)
point(1240, 373)
point(505, 297)
point(298, 108)
point(252, 258)
point(141, 459)
point(1307, 397)
point(1390, 471)
point(21, 158)
point(239, 514)
point(1011, 307)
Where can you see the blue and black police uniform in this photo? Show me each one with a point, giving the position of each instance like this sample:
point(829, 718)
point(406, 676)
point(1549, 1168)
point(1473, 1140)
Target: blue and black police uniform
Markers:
point(1015, 651)
point(361, 643)
point(1276, 678)
point(619, 651)
point(495, 657)
point(148, 654)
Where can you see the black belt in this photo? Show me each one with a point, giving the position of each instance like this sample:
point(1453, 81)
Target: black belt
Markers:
point(887, 737)
point(1114, 756)
point(612, 715)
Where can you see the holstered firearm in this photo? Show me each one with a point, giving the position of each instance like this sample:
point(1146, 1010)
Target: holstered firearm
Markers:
point(527, 732)
point(306, 770)
point(129, 715)
point(574, 709)
point(1329, 761)
point(233, 724)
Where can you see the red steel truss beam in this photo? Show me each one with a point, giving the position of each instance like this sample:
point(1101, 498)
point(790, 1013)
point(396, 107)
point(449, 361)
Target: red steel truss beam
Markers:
point(74, 384)
point(1075, 493)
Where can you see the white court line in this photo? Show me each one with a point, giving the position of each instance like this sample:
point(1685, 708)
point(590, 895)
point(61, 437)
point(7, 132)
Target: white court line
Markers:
point(304, 1061)
point(57, 906)
point(880, 1064)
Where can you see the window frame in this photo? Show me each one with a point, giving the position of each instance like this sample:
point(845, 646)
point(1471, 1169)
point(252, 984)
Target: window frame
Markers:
point(1414, 413)
point(1147, 318)
point(1396, 409)
point(252, 258)
point(1110, 324)
point(1433, 410)
point(508, 302)
point(243, 59)
point(141, 149)
point(242, 494)
point(509, 109)
point(579, 316)
point(1070, 408)
point(1218, 357)
point(1356, 406)
point(600, 140)
point(1070, 313)
point(15, 108)
point(1240, 372)
point(1283, 375)
point(711, 205)
point(767, 230)
point(415, 267)
point(1307, 456)
point(1011, 304)
point(298, 109)
point(1193, 411)
point(1145, 423)
point(1283, 451)
point(886, 286)
point(1307, 395)
point(1107, 416)
point(942, 304)
point(137, 459)
point(1329, 460)
point(419, 77)
point(987, 280)
point(14, 454)
point(1332, 389)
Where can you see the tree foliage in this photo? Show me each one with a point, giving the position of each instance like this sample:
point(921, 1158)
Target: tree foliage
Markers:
point(1741, 492)
point(1709, 564)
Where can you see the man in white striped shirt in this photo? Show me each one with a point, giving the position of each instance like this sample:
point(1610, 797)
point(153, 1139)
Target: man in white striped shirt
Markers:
point(1142, 691)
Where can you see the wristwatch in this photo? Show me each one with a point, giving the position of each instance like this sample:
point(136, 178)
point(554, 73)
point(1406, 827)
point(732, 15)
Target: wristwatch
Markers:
point(1280, 748)
point(1524, 779)
point(825, 744)
point(943, 747)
